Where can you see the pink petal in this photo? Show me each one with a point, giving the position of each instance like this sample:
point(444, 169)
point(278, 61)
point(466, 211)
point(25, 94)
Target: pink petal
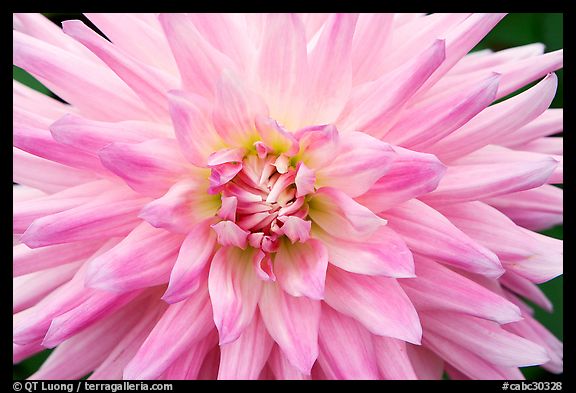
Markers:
point(330, 78)
point(48, 176)
point(149, 167)
point(282, 67)
point(91, 135)
point(365, 158)
point(426, 364)
point(383, 253)
point(374, 105)
point(90, 221)
point(26, 260)
point(429, 233)
point(318, 145)
point(478, 181)
point(185, 323)
point(293, 323)
point(195, 253)
point(281, 368)
point(305, 180)
point(410, 175)
point(235, 111)
point(199, 63)
point(378, 303)
point(191, 117)
point(526, 289)
point(147, 82)
point(82, 353)
point(342, 217)
point(129, 30)
point(484, 338)
point(301, 268)
point(234, 291)
point(421, 126)
point(188, 365)
point(66, 75)
point(276, 137)
point(230, 234)
point(439, 288)
point(295, 228)
point(550, 122)
point(497, 120)
point(536, 209)
point(97, 307)
point(144, 258)
point(185, 204)
point(372, 31)
point(245, 358)
point(346, 349)
point(392, 358)
point(29, 289)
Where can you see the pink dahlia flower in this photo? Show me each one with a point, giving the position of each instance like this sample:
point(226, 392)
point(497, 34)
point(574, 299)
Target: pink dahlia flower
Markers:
point(283, 197)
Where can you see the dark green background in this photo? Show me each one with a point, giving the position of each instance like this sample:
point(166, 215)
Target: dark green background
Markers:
point(514, 30)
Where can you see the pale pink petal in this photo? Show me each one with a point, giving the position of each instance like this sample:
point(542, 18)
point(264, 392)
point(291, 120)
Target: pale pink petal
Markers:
point(383, 253)
point(148, 83)
point(305, 180)
point(361, 156)
point(484, 338)
point(282, 68)
point(45, 175)
point(474, 182)
point(330, 78)
point(186, 322)
point(149, 167)
point(90, 135)
point(29, 289)
point(429, 233)
point(276, 138)
point(372, 36)
point(301, 268)
point(346, 348)
point(37, 104)
point(185, 204)
point(81, 354)
point(427, 365)
point(234, 291)
point(373, 105)
point(526, 289)
point(188, 365)
point(421, 126)
point(548, 123)
point(65, 74)
point(392, 358)
point(295, 228)
point(378, 303)
point(199, 63)
point(282, 369)
point(143, 258)
point(536, 209)
point(439, 288)
point(91, 221)
point(318, 145)
point(27, 260)
point(21, 352)
point(341, 216)
point(194, 255)
point(230, 234)
point(497, 120)
point(293, 323)
point(191, 117)
point(410, 175)
point(139, 34)
point(245, 358)
point(235, 111)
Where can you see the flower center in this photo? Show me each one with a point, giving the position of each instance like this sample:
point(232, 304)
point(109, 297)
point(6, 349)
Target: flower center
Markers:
point(260, 200)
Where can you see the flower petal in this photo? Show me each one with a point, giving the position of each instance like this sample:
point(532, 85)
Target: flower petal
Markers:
point(429, 233)
point(293, 323)
point(246, 357)
point(234, 291)
point(342, 217)
point(378, 303)
point(301, 268)
point(346, 349)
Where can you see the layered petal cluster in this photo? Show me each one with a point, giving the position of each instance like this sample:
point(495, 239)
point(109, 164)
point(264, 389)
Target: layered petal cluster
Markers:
point(307, 196)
